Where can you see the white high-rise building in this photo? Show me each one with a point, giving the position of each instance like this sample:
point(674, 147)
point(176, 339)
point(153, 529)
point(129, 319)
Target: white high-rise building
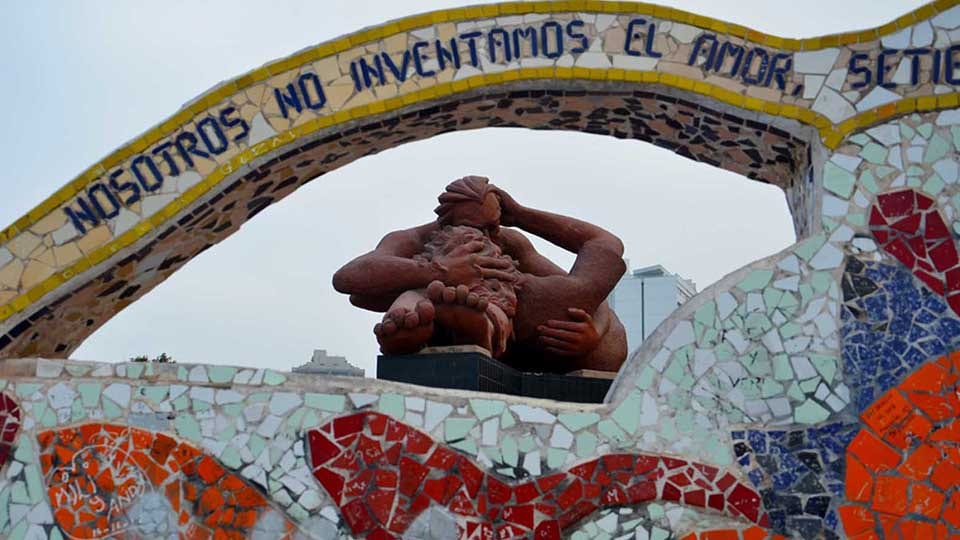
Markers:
point(645, 297)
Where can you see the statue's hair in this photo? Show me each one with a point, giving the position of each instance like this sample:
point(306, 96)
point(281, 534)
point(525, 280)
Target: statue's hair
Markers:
point(448, 238)
point(467, 189)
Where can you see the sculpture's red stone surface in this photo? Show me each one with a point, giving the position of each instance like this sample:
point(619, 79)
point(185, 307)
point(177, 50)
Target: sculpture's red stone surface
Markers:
point(471, 277)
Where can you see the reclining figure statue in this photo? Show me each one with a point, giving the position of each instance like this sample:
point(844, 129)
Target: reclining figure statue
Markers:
point(467, 278)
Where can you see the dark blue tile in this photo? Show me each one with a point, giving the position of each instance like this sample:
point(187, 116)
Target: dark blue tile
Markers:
point(889, 332)
point(758, 441)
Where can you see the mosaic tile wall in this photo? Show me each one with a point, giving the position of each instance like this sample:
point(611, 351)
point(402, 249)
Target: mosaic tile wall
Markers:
point(146, 451)
point(811, 394)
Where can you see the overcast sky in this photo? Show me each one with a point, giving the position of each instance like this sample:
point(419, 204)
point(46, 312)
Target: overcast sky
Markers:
point(83, 77)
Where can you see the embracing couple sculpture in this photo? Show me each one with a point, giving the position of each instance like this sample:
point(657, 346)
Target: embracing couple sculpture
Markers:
point(467, 278)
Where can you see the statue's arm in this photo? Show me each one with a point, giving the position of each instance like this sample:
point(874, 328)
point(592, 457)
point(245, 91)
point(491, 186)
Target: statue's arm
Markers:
point(387, 270)
point(569, 233)
point(530, 260)
point(380, 304)
point(374, 280)
point(599, 263)
point(580, 333)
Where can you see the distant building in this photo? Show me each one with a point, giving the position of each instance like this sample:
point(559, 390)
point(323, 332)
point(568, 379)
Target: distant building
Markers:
point(321, 364)
point(645, 297)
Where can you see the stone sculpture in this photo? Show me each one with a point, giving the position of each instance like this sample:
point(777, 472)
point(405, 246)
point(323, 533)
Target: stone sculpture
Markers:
point(469, 278)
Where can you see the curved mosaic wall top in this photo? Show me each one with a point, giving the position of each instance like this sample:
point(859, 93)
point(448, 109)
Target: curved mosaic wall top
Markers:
point(812, 393)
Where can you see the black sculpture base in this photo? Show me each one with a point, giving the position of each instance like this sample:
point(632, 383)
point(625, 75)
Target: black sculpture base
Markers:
point(477, 371)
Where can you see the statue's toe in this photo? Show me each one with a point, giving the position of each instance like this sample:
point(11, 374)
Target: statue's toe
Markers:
point(397, 315)
point(435, 291)
point(462, 292)
point(426, 311)
point(388, 328)
point(449, 295)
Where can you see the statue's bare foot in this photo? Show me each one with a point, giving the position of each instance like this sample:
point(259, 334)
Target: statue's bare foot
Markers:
point(465, 315)
point(408, 325)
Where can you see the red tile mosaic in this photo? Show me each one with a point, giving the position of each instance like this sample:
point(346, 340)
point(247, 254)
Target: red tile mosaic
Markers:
point(382, 474)
point(908, 226)
point(903, 468)
point(102, 478)
point(9, 426)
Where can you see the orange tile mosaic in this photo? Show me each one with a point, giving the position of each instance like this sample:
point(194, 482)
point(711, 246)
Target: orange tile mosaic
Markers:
point(903, 468)
point(752, 533)
point(113, 481)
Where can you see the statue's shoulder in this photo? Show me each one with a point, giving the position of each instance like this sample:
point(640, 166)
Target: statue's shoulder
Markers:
point(406, 242)
point(420, 232)
point(514, 242)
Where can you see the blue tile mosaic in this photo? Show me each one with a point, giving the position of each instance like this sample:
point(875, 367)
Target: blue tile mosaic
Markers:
point(891, 323)
point(799, 474)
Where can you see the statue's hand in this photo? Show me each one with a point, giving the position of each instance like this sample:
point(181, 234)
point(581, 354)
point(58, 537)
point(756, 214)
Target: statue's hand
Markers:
point(575, 337)
point(509, 208)
point(464, 266)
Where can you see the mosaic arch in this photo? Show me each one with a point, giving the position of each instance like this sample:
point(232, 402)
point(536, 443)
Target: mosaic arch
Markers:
point(810, 394)
point(769, 108)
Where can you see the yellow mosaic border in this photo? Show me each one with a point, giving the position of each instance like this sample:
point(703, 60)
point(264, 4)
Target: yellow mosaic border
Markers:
point(832, 135)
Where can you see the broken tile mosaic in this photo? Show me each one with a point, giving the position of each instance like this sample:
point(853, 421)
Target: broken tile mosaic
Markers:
point(383, 474)
point(810, 394)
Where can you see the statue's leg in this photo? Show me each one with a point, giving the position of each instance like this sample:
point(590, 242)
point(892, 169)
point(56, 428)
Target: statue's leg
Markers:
point(467, 319)
point(408, 324)
point(611, 352)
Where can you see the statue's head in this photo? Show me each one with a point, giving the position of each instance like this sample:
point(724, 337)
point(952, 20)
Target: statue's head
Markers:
point(470, 201)
point(500, 295)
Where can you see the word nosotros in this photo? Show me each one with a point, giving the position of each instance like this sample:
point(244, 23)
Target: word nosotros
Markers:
point(125, 186)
